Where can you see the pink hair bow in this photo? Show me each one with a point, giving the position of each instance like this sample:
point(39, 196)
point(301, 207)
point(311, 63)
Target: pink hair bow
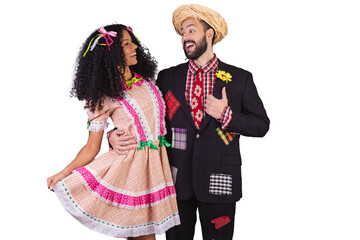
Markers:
point(107, 35)
point(129, 29)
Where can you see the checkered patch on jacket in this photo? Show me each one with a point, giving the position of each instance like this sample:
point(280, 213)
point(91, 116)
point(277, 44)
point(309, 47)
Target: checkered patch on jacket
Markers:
point(179, 137)
point(220, 184)
point(172, 104)
point(225, 136)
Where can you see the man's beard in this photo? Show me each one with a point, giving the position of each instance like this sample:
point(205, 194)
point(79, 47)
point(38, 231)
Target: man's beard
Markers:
point(200, 48)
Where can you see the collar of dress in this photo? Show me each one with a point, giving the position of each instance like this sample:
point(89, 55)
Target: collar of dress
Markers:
point(138, 80)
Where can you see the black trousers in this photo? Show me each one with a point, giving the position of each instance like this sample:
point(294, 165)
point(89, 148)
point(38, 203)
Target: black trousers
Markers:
point(207, 212)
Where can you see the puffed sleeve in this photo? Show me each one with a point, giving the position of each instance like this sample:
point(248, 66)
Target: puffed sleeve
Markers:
point(97, 120)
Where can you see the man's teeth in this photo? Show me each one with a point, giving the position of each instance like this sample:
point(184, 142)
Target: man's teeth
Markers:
point(133, 54)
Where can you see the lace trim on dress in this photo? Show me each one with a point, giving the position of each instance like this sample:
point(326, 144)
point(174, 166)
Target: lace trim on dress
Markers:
point(97, 126)
point(110, 228)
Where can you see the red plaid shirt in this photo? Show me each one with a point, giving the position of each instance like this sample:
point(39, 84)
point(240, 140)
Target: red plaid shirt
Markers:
point(208, 77)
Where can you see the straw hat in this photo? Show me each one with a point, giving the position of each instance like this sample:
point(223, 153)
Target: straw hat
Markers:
point(211, 17)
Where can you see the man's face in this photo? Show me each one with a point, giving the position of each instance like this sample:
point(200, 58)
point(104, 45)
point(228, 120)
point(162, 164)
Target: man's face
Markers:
point(193, 38)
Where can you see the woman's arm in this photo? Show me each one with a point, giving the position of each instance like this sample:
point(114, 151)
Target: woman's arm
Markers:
point(86, 154)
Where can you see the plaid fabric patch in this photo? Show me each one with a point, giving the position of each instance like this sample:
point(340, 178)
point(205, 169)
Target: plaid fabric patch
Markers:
point(220, 184)
point(179, 136)
point(225, 136)
point(172, 104)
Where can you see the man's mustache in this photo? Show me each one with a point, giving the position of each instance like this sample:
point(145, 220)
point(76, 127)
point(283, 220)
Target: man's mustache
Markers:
point(188, 41)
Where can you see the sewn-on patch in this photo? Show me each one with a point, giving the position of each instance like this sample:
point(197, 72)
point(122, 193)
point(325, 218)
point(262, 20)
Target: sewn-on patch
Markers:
point(172, 104)
point(179, 136)
point(225, 136)
point(220, 221)
point(220, 184)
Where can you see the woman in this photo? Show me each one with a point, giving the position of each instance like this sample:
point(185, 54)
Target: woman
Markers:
point(128, 195)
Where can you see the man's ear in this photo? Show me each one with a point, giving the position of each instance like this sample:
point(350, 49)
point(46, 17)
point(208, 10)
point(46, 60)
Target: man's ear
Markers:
point(210, 34)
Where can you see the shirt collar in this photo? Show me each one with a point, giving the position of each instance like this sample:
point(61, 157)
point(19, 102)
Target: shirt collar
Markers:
point(210, 66)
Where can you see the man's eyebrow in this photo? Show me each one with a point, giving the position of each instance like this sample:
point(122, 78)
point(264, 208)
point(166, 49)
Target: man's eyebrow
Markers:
point(191, 24)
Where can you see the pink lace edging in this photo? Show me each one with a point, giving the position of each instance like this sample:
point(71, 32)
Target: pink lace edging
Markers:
point(161, 107)
point(123, 200)
point(138, 125)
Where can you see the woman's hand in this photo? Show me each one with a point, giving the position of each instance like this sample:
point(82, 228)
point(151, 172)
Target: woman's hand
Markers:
point(86, 154)
point(51, 181)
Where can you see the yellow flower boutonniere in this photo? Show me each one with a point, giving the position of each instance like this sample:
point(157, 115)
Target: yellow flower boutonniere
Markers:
point(226, 77)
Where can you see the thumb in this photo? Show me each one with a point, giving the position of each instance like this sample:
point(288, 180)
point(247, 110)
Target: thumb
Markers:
point(224, 96)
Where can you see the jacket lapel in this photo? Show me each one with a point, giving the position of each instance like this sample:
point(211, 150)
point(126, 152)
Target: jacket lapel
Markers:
point(180, 87)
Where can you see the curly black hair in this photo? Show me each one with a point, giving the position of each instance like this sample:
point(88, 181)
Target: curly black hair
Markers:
point(99, 73)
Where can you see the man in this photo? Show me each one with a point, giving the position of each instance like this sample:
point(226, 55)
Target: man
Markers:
point(209, 105)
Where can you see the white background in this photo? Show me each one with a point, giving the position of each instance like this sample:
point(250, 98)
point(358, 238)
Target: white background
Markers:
point(301, 181)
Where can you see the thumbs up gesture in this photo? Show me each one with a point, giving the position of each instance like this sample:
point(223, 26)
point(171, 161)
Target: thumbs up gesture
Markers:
point(215, 107)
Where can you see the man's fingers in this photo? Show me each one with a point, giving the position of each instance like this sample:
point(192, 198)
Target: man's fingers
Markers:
point(125, 138)
point(208, 105)
point(126, 142)
point(210, 98)
point(120, 152)
point(123, 150)
point(126, 148)
point(119, 131)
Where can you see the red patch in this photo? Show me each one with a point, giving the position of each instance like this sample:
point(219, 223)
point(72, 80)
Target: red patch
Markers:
point(220, 221)
point(172, 104)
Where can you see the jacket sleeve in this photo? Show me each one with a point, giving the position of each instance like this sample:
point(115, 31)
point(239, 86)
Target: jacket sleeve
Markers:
point(251, 119)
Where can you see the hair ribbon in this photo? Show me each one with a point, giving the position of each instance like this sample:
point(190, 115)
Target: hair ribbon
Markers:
point(107, 35)
point(103, 33)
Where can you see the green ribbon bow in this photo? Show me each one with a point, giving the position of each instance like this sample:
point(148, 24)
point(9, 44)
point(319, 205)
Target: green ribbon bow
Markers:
point(133, 80)
point(149, 144)
point(163, 141)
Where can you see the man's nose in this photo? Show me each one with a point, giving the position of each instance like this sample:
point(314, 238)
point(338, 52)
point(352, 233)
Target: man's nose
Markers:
point(185, 37)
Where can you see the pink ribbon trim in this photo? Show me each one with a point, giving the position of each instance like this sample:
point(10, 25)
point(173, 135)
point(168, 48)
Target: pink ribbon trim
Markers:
point(123, 199)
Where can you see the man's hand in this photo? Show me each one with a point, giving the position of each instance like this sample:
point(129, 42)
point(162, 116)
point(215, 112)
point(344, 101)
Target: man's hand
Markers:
point(215, 107)
point(122, 143)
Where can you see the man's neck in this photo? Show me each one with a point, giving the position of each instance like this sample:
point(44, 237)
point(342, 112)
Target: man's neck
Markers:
point(205, 58)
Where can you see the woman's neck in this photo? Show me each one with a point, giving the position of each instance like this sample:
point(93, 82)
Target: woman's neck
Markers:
point(127, 74)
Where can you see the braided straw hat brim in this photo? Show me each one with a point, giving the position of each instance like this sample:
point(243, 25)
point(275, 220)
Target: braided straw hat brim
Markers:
point(211, 17)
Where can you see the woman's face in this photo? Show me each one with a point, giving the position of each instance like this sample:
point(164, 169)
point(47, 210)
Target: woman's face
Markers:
point(129, 49)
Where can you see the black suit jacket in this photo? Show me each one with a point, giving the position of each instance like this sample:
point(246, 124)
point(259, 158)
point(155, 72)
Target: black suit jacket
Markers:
point(206, 166)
